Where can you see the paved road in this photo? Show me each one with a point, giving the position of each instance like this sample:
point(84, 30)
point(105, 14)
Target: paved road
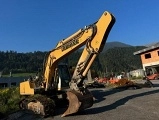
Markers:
point(139, 104)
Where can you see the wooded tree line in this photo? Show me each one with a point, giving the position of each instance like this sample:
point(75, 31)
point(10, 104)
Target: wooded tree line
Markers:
point(116, 59)
point(21, 62)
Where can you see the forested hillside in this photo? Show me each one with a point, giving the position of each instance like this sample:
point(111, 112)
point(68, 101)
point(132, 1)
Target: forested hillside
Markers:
point(120, 59)
point(112, 60)
point(21, 62)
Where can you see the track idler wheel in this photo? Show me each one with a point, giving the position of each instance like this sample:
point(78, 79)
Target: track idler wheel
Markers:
point(78, 101)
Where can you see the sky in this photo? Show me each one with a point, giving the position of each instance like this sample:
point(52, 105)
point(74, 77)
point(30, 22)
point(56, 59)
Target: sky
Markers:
point(38, 25)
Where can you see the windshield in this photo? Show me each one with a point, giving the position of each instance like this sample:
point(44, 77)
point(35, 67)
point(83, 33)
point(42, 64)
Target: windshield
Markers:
point(64, 75)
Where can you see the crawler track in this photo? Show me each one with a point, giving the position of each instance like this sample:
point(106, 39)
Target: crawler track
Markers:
point(39, 104)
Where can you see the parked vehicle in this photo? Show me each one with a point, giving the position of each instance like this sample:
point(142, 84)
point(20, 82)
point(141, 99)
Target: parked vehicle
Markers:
point(151, 73)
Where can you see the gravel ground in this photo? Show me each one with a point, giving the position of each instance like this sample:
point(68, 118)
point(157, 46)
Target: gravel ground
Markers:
point(115, 104)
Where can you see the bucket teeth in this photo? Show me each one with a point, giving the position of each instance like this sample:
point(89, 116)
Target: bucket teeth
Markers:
point(78, 101)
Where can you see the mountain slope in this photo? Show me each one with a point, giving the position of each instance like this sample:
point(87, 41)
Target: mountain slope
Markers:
point(109, 45)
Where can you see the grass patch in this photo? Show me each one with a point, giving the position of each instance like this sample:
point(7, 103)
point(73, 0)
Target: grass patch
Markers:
point(9, 100)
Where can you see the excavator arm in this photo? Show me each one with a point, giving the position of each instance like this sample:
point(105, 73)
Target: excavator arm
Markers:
point(92, 48)
point(79, 97)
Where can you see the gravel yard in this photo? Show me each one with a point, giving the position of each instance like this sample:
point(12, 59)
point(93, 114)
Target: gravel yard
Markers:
point(115, 104)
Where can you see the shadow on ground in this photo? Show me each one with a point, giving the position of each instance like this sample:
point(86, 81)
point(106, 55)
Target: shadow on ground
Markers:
point(116, 103)
point(100, 96)
point(22, 115)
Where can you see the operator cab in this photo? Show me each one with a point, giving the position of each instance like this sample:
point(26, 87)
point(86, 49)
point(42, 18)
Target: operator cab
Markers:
point(64, 76)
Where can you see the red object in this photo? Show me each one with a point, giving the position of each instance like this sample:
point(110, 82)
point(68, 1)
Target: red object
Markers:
point(153, 76)
point(103, 80)
point(113, 81)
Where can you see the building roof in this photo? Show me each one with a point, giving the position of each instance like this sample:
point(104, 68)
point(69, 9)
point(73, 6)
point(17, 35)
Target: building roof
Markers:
point(150, 48)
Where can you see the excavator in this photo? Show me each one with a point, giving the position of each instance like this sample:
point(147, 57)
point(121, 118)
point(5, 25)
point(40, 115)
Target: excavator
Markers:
point(42, 93)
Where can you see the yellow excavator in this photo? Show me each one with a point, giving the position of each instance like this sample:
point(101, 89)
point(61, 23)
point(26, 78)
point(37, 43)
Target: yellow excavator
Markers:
point(40, 94)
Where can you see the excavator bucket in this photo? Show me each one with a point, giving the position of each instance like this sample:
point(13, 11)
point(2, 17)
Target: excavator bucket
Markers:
point(78, 101)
